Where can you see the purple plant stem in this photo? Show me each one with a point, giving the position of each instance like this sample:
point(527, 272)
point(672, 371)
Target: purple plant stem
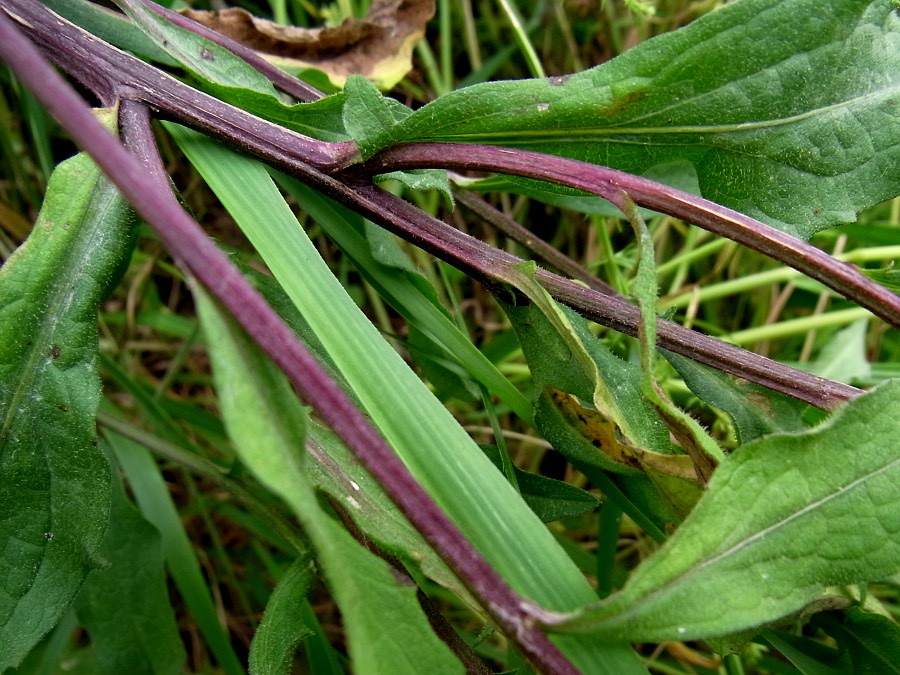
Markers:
point(289, 84)
point(613, 185)
point(529, 240)
point(140, 183)
point(112, 74)
point(489, 265)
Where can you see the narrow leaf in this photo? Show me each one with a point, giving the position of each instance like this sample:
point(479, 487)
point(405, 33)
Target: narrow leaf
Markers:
point(756, 411)
point(387, 630)
point(783, 517)
point(125, 606)
point(54, 481)
point(282, 627)
point(438, 452)
point(778, 104)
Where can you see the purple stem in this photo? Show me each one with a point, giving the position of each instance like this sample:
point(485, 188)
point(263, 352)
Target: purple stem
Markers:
point(489, 264)
point(111, 74)
point(140, 183)
point(614, 185)
point(289, 84)
point(529, 240)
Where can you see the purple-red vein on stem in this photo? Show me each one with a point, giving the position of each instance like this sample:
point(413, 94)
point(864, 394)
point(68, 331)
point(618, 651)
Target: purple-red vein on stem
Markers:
point(111, 73)
point(140, 184)
point(612, 185)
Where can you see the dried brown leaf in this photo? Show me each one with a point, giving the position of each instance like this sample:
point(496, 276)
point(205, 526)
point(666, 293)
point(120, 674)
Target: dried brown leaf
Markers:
point(378, 47)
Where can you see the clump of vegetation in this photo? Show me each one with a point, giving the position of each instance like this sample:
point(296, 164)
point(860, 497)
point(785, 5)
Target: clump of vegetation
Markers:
point(561, 341)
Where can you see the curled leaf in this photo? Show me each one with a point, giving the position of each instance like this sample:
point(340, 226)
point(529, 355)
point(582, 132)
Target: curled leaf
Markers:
point(378, 47)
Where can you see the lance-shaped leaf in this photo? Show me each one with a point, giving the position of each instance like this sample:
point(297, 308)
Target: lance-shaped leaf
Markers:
point(282, 627)
point(786, 108)
point(125, 606)
point(783, 517)
point(438, 452)
point(387, 629)
point(54, 481)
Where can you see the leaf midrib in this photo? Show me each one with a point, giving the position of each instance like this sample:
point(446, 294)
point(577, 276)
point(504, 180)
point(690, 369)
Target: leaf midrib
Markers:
point(739, 546)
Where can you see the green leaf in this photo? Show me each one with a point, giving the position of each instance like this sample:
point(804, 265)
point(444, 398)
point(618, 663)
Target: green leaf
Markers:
point(591, 409)
point(786, 108)
point(125, 606)
point(54, 481)
point(843, 358)
point(152, 496)
point(549, 499)
point(783, 517)
point(282, 627)
point(375, 254)
point(810, 657)
point(230, 78)
point(387, 629)
point(110, 27)
point(756, 411)
point(702, 449)
point(438, 452)
point(873, 640)
point(370, 117)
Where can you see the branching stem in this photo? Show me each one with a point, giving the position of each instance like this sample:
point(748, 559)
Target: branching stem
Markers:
point(141, 178)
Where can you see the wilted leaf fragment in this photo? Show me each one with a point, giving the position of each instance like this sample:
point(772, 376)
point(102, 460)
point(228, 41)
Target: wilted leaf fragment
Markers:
point(378, 47)
point(54, 482)
point(783, 517)
point(786, 108)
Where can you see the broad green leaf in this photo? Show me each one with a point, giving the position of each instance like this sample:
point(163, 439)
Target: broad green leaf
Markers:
point(387, 630)
point(786, 108)
point(783, 517)
point(54, 481)
point(227, 76)
point(872, 640)
point(756, 411)
point(282, 628)
point(438, 452)
point(125, 605)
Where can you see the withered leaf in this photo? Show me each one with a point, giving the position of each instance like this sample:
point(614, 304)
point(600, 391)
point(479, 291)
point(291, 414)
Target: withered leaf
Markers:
point(378, 47)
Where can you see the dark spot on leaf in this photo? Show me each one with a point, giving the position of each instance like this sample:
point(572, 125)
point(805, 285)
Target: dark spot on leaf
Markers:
point(817, 212)
point(62, 407)
point(55, 351)
point(621, 103)
point(206, 54)
point(595, 443)
point(48, 536)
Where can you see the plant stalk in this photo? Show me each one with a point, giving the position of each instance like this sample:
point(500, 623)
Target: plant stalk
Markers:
point(145, 186)
point(613, 185)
